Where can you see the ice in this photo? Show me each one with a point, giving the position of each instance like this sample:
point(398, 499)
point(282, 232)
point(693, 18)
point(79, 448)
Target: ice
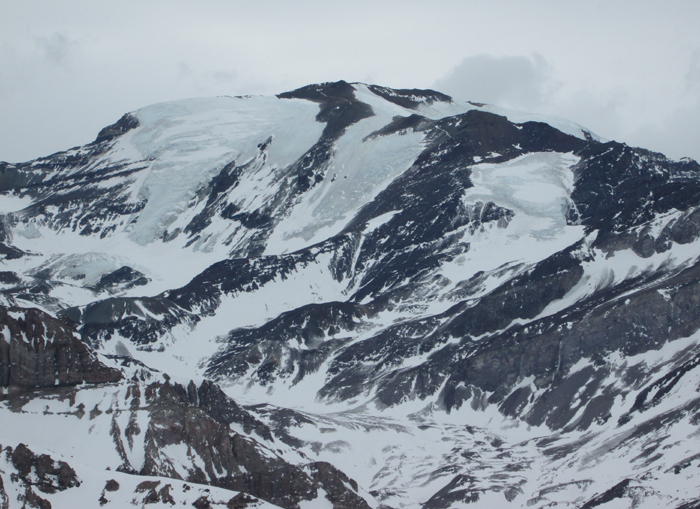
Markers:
point(70, 256)
point(537, 185)
point(361, 168)
point(190, 141)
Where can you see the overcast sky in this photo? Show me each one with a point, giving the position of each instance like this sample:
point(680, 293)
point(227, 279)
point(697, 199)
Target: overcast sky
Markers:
point(627, 70)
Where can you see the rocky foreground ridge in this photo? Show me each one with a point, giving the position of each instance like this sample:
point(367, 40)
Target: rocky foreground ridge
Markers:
point(349, 296)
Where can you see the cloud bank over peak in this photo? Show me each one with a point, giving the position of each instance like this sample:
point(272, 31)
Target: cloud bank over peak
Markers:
point(510, 81)
point(619, 111)
point(622, 69)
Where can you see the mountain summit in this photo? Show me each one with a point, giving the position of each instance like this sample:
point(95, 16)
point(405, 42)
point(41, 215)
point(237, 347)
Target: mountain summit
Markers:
point(349, 296)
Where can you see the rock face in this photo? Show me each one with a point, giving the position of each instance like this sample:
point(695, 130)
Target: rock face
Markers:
point(200, 420)
point(39, 351)
point(123, 278)
point(341, 491)
point(342, 254)
point(123, 125)
point(230, 460)
point(28, 473)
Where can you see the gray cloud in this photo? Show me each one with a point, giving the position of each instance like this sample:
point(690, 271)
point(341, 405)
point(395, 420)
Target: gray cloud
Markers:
point(223, 76)
point(617, 112)
point(692, 78)
point(676, 135)
point(569, 61)
point(602, 111)
point(58, 48)
point(513, 81)
point(184, 70)
point(211, 82)
point(7, 58)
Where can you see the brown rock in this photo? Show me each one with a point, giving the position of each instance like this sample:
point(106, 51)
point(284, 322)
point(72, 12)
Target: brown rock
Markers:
point(112, 485)
point(334, 482)
point(240, 501)
point(42, 471)
point(43, 351)
point(4, 499)
point(33, 500)
point(202, 503)
point(230, 460)
point(36, 471)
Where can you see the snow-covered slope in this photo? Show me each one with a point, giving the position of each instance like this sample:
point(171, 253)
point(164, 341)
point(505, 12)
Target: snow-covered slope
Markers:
point(502, 306)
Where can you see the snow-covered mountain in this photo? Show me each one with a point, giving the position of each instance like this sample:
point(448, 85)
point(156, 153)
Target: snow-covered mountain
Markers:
point(349, 296)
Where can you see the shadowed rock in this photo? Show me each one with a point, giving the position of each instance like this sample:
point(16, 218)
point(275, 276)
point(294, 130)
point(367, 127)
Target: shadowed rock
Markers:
point(39, 351)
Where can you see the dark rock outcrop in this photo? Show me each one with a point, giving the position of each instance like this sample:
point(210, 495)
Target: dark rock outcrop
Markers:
point(335, 483)
point(200, 419)
point(410, 98)
point(42, 472)
point(4, 499)
point(7, 250)
point(121, 126)
point(617, 491)
point(130, 317)
point(39, 351)
point(35, 472)
point(339, 106)
point(123, 278)
point(459, 490)
point(274, 347)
